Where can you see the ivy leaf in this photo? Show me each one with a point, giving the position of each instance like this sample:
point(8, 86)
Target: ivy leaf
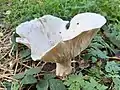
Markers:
point(42, 85)
point(7, 85)
point(56, 85)
point(29, 79)
point(19, 76)
point(25, 53)
point(15, 86)
point(48, 76)
point(33, 71)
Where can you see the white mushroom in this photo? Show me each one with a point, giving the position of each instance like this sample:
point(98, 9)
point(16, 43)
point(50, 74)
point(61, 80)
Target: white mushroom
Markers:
point(49, 40)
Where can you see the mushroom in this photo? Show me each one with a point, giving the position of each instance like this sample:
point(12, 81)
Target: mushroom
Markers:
point(52, 39)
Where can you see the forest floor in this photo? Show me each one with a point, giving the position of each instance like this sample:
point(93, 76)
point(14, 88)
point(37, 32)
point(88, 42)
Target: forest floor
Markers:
point(97, 68)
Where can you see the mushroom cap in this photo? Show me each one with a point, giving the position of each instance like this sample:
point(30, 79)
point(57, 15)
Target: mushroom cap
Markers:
point(41, 35)
point(83, 22)
point(49, 39)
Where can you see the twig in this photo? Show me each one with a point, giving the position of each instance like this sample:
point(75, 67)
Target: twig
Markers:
point(2, 88)
point(38, 63)
point(8, 74)
point(4, 55)
point(17, 62)
point(11, 51)
point(43, 65)
point(73, 65)
point(5, 69)
point(30, 87)
point(111, 85)
point(25, 65)
point(4, 76)
point(16, 68)
point(115, 58)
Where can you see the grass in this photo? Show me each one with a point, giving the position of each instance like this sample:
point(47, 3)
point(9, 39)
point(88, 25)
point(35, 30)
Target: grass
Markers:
point(93, 69)
point(28, 9)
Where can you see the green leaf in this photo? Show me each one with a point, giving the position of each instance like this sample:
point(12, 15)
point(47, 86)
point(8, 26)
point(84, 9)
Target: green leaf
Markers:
point(25, 53)
point(96, 52)
point(33, 71)
point(93, 81)
point(42, 85)
point(88, 86)
point(87, 56)
point(117, 83)
point(101, 87)
point(113, 38)
point(96, 44)
point(7, 85)
point(75, 79)
point(56, 85)
point(13, 39)
point(94, 59)
point(29, 79)
point(101, 54)
point(112, 67)
point(19, 76)
point(77, 82)
point(95, 72)
point(49, 76)
point(74, 86)
point(93, 85)
point(15, 86)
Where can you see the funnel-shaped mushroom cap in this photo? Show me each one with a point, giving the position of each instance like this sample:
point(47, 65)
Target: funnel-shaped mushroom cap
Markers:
point(40, 35)
point(49, 39)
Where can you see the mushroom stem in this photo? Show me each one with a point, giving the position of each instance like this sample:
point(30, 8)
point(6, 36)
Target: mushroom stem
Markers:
point(63, 68)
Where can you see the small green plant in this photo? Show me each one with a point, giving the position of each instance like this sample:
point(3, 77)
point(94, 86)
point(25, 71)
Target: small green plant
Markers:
point(92, 82)
point(76, 82)
point(113, 70)
point(98, 49)
point(28, 78)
